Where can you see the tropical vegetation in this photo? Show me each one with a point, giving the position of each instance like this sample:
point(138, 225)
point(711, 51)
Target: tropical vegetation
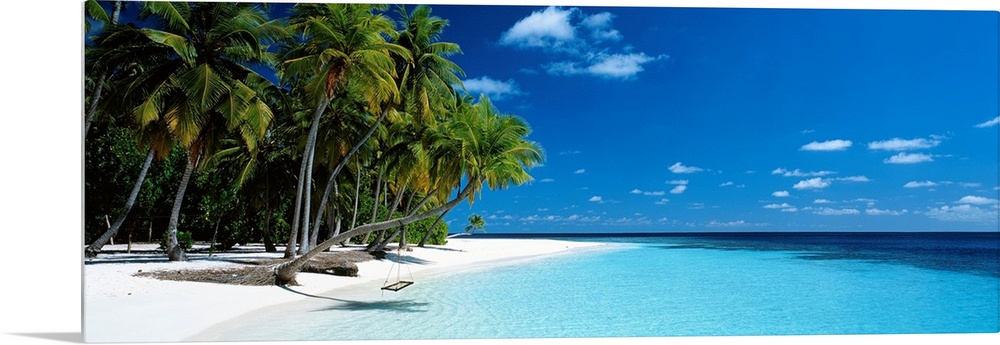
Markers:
point(327, 125)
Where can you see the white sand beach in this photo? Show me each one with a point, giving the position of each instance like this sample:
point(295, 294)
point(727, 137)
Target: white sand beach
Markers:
point(121, 307)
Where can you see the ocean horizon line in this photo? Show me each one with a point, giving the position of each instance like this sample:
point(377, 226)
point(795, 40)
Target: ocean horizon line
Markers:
point(699, 233)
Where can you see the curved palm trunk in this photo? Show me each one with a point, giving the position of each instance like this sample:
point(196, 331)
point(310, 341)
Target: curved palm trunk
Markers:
point(174, 251)
point(427, 235)
point(378, 189)
point(357, 194)
point(96, 246)
point(376, 245)
point(331, 182)
point(285, 273)
point(310, 143)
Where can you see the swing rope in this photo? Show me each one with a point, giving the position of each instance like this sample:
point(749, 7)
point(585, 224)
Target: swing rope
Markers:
point(399, 284)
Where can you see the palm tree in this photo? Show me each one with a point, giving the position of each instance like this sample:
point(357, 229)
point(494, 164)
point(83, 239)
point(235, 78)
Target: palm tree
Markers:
point(206, 90)
point(494, 152)
point(339, 43)
point(97, 13)
point(476, 222)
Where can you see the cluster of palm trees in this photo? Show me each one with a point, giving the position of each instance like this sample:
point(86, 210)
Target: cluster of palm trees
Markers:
point(358, 100)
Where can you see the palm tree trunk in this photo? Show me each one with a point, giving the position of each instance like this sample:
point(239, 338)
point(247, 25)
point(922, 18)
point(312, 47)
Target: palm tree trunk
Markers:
point(310, 143)
point(378, 189)
point(331, 182)
point(175, 252)
point(357, 197)
point(96, 246)
point(377, 244)
point(285, 273)
point(268, 243)
point(427, 235)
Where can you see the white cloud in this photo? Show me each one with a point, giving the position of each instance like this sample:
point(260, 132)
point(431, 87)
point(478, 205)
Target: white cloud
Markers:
point(662, 201)
point(549, 28)
point(800, 173)
point(970, 184)
point(680, 182)
point(916, 184)
point(727, 183)
point(493, 88)
point(989, 123)
point(614, 66)
point(679, 189)
point(908, 158)
point(897, 144)
point(878, 212)
point(546, 180)
point(978, 200)
point(829, 145)
point(861, 178)
point(583, 39)
point(596, 199)
point(963, 213)
point(826, 211)
point(679, 168)
point(778, 206)
point(580, 171)
point(780, 194)
point(648, 193)
point(813, 183)
point(574, 152)
point(822, 201)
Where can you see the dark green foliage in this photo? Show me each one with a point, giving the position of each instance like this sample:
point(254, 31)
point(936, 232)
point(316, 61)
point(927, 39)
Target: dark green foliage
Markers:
point(416, 231)
point(184, 238)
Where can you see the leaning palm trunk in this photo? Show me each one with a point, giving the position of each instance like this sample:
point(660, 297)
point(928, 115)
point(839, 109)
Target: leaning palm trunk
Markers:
point(332, 181)
point(354, 215)
point(285, 273)
point(392, 212)
point(96, 246)
point(302, 183)
point(175, 252)
point(427, 235)
point(402, 229)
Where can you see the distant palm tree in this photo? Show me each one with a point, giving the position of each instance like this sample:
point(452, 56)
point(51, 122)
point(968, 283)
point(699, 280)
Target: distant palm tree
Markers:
point(476, 222)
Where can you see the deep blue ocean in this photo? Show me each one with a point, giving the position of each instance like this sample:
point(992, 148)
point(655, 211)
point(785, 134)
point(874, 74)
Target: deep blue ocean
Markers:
point(662, 285)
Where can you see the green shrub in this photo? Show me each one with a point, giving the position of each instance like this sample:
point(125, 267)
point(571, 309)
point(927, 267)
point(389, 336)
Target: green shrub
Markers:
point(184, 238)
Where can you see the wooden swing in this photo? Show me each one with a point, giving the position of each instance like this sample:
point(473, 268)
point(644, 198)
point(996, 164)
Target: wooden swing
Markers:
point(399, 284)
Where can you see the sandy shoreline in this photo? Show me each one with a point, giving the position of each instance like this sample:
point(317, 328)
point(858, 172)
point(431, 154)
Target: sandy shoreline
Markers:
point(120, 307)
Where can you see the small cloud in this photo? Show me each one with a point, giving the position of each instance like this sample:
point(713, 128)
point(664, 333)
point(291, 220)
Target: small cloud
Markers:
point(813, 183)
point(495, 89)
point(726, 184)
point(830, 145)
point(897, 144)
point(970, 184)
point(861, 178)
point(778, 206)
point(679, 189)
point(878, 212)
point(963, 213)
point(679, 168)
point(808, 131)
point(548, 29)
point(580, 171)
point(822, 201)
point(799, 173)
point(662, 201)
point(977, 200)
point(596, 199)
point(908, 158)
point(916, 184)
point(781, 194)
point(648, 193)
point(678, 182)
point(989, 123)
point(826, 211)
point(546, 180)
point(573, 152)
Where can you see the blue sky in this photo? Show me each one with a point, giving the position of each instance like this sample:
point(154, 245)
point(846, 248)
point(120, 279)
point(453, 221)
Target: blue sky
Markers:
point(687, 119)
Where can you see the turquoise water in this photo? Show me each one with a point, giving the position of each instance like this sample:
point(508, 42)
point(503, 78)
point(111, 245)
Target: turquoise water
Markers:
point(661, 286)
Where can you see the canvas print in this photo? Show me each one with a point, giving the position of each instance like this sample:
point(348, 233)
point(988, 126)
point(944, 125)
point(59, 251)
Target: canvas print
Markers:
point(329, 171)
